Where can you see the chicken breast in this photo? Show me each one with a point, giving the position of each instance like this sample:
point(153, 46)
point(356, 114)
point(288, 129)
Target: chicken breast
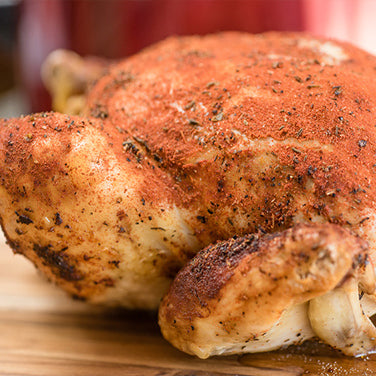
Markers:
point(191, 141)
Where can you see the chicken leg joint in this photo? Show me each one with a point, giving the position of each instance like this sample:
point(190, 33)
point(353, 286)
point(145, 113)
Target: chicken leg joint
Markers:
point(338, 319)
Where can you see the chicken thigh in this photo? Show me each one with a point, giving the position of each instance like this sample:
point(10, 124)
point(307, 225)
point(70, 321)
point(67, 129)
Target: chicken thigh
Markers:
point(260, 293)
point(191, 141)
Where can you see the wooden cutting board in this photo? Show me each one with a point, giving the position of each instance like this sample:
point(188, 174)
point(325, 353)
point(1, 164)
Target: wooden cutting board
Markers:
point(43, 332)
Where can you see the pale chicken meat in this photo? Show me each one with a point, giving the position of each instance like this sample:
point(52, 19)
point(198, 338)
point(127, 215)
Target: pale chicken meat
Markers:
point(191, 141)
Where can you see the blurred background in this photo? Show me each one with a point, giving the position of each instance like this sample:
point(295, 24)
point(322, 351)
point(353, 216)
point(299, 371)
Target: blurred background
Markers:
point(31, 29)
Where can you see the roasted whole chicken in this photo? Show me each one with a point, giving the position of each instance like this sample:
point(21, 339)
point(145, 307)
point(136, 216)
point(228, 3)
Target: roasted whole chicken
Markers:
point(258, 149)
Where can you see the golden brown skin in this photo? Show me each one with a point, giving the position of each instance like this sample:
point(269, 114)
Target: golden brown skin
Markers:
point(193, 140)
point(251, 294)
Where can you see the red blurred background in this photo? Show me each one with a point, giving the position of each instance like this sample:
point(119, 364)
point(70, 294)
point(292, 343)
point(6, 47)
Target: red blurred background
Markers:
point(117, 28)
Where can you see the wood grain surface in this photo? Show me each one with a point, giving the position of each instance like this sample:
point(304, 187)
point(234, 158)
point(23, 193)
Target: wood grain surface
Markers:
point(43, 332)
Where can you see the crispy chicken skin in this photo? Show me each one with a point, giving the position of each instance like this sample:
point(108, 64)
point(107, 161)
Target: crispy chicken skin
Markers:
point(191, 141)
point(255, 293)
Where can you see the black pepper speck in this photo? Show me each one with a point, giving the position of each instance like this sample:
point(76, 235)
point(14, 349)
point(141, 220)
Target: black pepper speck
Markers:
point(362, 143)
